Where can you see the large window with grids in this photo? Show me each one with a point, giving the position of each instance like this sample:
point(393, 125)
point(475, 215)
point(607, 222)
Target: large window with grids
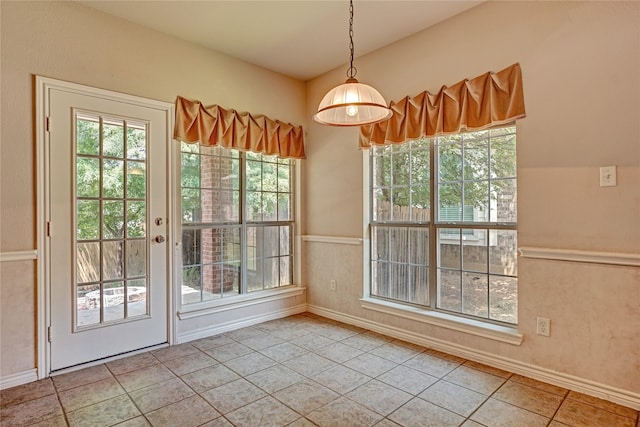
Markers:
point(443, 224)
point(237, 222)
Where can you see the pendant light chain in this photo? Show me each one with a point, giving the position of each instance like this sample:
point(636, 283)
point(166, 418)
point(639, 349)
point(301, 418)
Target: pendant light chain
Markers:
point(352, 71)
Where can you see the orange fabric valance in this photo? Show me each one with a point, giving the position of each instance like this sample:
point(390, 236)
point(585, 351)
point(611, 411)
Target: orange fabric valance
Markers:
point(487, 100)
point(214, 125)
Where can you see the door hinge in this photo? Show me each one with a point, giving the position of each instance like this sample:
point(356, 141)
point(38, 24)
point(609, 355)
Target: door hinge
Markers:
point(48, 228)
point(49, 334)
point(46, 123)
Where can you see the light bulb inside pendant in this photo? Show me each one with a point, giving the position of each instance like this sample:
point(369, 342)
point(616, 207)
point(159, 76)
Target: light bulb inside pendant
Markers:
point(351, 98)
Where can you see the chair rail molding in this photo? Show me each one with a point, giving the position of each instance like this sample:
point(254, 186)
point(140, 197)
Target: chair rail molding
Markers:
point(592, 257)
point(27, 255)
point(333, 239)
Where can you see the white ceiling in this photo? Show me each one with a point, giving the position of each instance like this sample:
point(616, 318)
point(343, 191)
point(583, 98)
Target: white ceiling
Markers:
point(302, 39)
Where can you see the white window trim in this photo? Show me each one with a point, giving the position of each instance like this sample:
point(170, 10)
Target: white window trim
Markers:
point(206, 308)
point(478, 328)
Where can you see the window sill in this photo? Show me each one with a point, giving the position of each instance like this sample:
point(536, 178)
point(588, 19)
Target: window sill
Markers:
point(461, 324)
point(224, 304)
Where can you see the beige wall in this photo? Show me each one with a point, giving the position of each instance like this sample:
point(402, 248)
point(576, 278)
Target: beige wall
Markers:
point(68, 41)
point(582, 88)
point(581, 71)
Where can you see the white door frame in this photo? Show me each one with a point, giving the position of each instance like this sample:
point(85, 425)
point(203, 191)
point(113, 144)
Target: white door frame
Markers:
point(43, 86)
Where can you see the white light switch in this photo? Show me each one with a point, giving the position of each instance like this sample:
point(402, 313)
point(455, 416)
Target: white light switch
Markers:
point(608, 176)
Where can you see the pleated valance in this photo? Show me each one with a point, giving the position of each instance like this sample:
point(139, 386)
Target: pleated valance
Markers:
point(214, 125)
point(484, 101)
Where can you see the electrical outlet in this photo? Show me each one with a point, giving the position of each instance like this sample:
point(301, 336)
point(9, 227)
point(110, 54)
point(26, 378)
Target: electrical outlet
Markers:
point(333, 285)
point(543, 326)
point(608, 176)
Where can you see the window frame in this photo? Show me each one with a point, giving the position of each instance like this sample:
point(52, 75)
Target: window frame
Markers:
point(433, 227)
point(201, 307)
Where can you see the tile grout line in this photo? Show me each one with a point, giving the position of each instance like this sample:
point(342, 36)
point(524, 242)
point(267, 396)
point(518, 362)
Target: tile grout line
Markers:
point(317, 327)
point(371, 379)
point(315, 352)
point(564, 399)
point(241, 377)
point(486, 400)
point(64, 411)
point(374, 378)
point(127, 392)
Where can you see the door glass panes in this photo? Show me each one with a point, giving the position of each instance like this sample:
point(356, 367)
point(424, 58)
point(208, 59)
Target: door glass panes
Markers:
point(112, 178)
point(136, 180)
point(88, 213)
point(88, 177)
point(111, 278)
point(88, 257)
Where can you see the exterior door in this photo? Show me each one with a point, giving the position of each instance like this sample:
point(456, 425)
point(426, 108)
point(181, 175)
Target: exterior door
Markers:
point(108, 214)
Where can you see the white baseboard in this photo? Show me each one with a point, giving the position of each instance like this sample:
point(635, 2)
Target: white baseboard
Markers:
point(237, 324)
point(592, 388)
point(18, 378)
point(32, 375)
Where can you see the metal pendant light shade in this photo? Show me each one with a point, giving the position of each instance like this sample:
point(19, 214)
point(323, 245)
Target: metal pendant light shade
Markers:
point(352, 103)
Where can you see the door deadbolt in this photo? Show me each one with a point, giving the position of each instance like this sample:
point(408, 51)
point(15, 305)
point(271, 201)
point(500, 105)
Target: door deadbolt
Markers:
point(158, 221)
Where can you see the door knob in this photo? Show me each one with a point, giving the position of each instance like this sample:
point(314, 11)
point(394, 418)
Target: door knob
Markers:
point(159, 239)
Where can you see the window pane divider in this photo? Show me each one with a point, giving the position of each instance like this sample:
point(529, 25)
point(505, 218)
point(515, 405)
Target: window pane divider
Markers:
point(477, 225)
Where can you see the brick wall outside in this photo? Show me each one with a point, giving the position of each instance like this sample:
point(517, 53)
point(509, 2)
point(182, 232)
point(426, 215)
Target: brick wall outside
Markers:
point(217, 201)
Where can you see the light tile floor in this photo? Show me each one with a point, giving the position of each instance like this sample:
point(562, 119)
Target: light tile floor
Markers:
point(301, 371)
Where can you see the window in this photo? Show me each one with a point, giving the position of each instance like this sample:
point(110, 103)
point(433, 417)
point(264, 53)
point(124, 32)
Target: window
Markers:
point(443, 228)
point(111, 215)
point(237, 222)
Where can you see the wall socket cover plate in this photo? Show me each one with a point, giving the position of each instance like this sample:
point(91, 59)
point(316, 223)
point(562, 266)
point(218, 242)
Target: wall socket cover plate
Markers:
point(608, 176)
point(543, 326)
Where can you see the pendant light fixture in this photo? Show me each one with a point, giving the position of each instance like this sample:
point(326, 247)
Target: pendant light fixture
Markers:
point(352, 103)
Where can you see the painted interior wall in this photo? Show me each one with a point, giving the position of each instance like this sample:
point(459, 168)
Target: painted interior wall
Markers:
point(582, 90)
point(581, 76)
point(68, 41)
